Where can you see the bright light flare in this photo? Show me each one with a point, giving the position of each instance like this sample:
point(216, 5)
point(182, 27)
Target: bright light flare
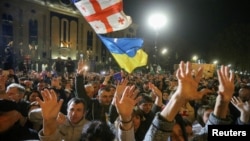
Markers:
point(86, 68)
point(215, 62)
point(157, 21)
point(164, 51)
point(195, 58)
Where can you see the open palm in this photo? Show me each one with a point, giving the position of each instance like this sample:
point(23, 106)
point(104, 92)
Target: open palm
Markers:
point(240, 105)
point(50, 105)
point(126, 103)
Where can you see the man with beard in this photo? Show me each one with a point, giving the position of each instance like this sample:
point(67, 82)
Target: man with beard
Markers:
point(57, 126)
point(97, 106)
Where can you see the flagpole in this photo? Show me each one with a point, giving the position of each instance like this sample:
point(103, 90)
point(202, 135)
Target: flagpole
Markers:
point(156, 48)
point(157, 21)
point(109, 63)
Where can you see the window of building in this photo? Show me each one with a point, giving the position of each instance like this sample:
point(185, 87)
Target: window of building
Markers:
point(7, 28)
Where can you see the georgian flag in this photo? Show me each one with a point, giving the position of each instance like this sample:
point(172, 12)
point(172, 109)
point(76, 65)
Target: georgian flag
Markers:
point(104, 16)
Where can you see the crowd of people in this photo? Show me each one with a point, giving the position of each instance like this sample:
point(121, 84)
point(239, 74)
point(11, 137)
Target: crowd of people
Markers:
point(88, 106)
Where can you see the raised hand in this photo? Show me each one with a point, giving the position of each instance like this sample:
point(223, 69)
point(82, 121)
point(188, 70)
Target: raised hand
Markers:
point(157, 93)
point(155, 90)
point(107, 78)
point(187, 83)
point(186, 90)
point(80, 66)
point(240, 105)
point(243, 107)
point(111, 72)
point(120, 87)
point(61, 118)
point(50, 109)
point(226, 86)
point(225, 91)
point(126, 103)
point(50, 105)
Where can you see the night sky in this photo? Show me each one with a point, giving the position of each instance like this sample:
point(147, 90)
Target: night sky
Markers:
point(193, 22)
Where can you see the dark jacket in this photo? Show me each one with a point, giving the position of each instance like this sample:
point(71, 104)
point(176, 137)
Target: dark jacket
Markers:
point(160, 129)
point(8, 60)
point(18, 133)
point(70, 65)
point(95, 111)
point(146, 123)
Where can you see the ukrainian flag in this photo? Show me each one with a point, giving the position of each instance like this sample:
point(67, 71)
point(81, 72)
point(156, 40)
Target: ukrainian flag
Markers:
point(126, 51)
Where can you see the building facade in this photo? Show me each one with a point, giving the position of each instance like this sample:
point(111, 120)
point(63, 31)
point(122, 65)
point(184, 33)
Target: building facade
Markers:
point(40, 31)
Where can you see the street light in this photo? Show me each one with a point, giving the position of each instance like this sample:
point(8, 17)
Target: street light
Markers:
point(164, 51)
point(215, 62)
point(157, 21)
point(195, 58)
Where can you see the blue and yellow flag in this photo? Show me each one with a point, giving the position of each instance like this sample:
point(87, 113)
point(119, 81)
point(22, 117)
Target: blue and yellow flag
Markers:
point(126, 51)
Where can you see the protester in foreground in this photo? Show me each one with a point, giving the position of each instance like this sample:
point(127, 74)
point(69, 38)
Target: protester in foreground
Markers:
point(163, 123)
point(56, 126)
point(11, 128)
point(244, 108)
point(51, 130)
point(97, 107)
point(15, 92)
point(149, 108)
point(202, 116)
point(125, 105)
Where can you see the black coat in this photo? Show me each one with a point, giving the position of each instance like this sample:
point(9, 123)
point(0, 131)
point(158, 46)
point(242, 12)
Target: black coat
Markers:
point(18, 133)
point(8, 61)
point(95, 111)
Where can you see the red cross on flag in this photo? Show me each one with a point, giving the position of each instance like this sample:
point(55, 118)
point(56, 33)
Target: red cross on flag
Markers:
point(104, 16)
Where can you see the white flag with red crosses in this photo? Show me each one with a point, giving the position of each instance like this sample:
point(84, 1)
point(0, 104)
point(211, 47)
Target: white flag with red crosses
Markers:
point(104, 16)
